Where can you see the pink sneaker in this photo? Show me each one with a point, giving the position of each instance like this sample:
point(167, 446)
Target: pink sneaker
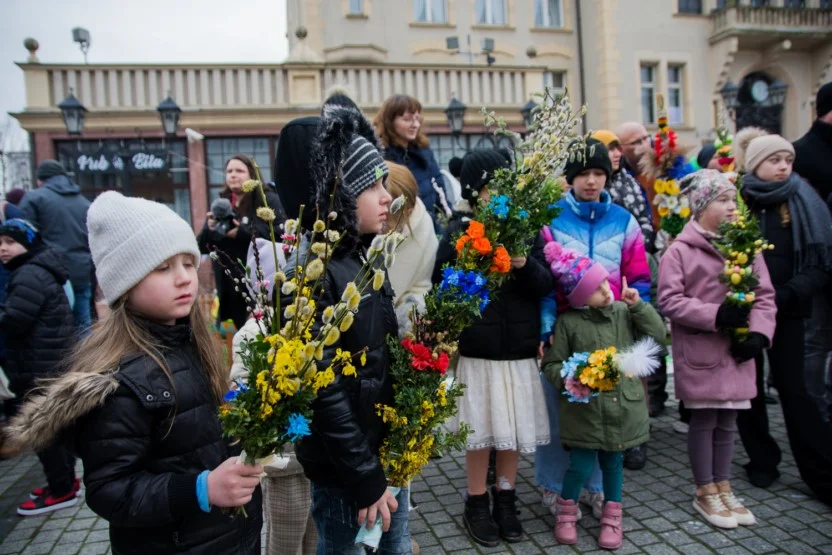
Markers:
point(566, 529)
point(612, 530)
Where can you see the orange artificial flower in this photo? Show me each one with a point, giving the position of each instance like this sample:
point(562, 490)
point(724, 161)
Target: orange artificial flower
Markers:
point(461, 242)
point(502, 261)
point(482, 245)
point(476, 230)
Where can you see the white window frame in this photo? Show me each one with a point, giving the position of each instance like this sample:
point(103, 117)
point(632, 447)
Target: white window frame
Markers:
point(676, 86)
point(549, 80)
point(489, 12)
point(651, 85)
point(547, 16)
point(355, 7)
point(431, 17)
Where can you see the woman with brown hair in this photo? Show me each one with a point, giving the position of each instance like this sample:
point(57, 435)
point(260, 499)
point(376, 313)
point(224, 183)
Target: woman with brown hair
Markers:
point(399, 127)
point(231, 239)
point(410, 274)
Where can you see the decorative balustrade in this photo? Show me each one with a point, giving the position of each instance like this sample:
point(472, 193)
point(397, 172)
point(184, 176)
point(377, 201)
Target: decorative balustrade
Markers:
point(785, 21)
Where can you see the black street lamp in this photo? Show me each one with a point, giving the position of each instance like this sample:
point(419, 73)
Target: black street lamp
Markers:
point(456, 115)
point(730, 95)
point(73, 113)
point(528, 113)
point(169, 113)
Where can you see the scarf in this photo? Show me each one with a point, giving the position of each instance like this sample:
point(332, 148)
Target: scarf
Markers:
point(811, 221)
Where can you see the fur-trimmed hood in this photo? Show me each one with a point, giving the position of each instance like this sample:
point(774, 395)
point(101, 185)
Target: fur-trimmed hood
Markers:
point(335, 133)
point(54, 407)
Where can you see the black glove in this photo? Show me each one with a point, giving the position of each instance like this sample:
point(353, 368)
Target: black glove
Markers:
point(731, 316)
point(748, 347)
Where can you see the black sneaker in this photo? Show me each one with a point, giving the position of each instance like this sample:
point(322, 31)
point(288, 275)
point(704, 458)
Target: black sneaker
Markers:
point(478, 521)
point(46, 504)
point(636, 457)
point(505, 514)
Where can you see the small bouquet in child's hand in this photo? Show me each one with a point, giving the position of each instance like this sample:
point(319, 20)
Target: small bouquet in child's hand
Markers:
point(587, 375)
point(741, 240)
point(271, 406)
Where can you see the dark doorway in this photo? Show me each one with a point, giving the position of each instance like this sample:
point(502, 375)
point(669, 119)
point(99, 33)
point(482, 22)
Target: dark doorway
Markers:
point(757, 106)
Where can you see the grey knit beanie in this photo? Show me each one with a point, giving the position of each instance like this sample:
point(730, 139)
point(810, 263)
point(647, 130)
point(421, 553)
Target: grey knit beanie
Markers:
point(49, 168)
point(130, 237)
point(363, 166)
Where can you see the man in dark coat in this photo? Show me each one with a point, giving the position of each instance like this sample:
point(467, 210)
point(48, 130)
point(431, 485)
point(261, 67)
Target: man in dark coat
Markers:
point(813, 152)
point(814, 149)
point(59, 211)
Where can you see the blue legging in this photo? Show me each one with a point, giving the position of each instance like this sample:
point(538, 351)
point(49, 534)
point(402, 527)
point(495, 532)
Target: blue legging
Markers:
point(582, 462)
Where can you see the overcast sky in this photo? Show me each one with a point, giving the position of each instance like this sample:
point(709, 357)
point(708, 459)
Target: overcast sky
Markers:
point(143, 31)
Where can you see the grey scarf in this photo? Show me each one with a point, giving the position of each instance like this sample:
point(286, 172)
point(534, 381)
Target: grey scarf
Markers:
point(811, 222)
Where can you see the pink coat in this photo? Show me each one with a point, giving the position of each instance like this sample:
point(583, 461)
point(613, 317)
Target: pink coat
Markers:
point(690, 294)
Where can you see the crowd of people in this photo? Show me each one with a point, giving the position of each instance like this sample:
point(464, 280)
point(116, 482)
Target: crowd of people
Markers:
point(135, 395)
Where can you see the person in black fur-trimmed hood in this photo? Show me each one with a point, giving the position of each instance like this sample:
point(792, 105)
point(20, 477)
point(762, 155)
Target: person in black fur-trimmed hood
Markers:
point(141, 397)
point(40, 328)
point(341, 456)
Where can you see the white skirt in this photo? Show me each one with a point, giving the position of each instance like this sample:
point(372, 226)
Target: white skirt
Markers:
point(503, 404)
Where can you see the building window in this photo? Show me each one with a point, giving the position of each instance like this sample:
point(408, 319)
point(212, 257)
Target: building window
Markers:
point(826, 4)
point(794, 3)
point(675, 104)
point(547, 13)
point(491, 12)
point(220, 150)
point(356, 7)
point(555, 81)
point(760, 3)
point(430, 11)
point(648, 93)
point(690, 6)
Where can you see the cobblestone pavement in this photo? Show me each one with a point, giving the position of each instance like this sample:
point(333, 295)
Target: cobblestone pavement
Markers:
point(659, 518)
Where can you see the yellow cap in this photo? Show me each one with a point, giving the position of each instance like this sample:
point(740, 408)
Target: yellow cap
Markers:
point(605, 136)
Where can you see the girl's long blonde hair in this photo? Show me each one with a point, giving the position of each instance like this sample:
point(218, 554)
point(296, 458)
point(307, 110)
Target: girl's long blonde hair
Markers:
point(120, 334)
point(401, 182)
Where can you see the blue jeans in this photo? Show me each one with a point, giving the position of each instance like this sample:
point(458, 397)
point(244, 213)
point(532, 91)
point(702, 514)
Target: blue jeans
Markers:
point(81, 310)
point(552, 461)
point(336, 518)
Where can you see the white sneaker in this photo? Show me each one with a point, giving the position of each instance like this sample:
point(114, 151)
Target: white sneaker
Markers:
point(744, 516)
point(714, 511)
point(594, 500)
point(680, 427)
point(550, 500)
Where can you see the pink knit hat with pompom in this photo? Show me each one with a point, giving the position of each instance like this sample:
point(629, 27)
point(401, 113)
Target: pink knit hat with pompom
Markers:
point(578, 276)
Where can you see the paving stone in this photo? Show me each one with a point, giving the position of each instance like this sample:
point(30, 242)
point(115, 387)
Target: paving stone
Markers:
point(658, 524)
point(99, 548)
point(715, 540)
point(9, 547)
point(81, 524)
point(98, 536)
point(642, 537)
point(66, 548)
point(77, 536)
point(55, 524)
point(39, 548)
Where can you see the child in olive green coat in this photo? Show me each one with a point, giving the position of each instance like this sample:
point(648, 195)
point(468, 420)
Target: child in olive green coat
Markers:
point(614, 420)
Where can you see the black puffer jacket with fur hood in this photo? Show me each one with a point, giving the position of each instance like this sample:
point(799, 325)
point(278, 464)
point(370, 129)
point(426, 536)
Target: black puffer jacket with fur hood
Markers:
point(144, 441)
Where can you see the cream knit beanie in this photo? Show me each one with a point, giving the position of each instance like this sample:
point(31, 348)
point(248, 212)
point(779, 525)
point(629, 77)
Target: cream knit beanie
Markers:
point(130, 237)
point(762, 147)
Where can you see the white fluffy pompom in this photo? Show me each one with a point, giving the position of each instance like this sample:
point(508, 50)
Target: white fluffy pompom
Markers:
point(641, 359)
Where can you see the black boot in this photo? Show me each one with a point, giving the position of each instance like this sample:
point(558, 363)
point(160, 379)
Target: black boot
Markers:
point(478, 522)
point(505, 514)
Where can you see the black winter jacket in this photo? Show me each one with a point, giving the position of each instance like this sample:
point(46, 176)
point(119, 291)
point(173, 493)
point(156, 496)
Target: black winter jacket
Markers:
point(59, 210)
point(144, 448)
point(232, 305)
point(794, 291)
point(813, 153)
point(510, 325)
point(36, 318)
point(346, 435)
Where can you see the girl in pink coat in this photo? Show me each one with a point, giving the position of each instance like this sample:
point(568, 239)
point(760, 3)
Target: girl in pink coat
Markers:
point(714, 374)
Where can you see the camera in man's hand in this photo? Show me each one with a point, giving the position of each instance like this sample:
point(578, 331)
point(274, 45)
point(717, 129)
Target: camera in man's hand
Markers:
point(224, 216)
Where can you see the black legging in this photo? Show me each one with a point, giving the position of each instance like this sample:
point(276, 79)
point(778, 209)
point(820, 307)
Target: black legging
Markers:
point(810, 437)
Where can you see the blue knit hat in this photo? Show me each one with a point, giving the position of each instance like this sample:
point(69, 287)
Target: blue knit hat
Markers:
point(21, 231)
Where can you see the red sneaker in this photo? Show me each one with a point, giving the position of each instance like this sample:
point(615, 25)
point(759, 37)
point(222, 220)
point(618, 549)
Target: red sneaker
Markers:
point(40, 492)
point(46, 504)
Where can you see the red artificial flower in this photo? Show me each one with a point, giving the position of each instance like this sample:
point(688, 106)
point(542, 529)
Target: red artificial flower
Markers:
point(442, 363)
point(422, 357)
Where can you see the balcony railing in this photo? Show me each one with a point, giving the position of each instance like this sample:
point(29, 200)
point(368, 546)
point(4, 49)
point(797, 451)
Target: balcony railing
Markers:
point(139, 87)
point(785, 22)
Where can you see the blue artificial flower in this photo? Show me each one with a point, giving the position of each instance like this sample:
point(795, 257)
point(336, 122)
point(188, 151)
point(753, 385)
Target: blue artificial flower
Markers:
point(523, 215)
point(450, 277)
point(233, 393)
point(499, 206)
point(298, 427)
